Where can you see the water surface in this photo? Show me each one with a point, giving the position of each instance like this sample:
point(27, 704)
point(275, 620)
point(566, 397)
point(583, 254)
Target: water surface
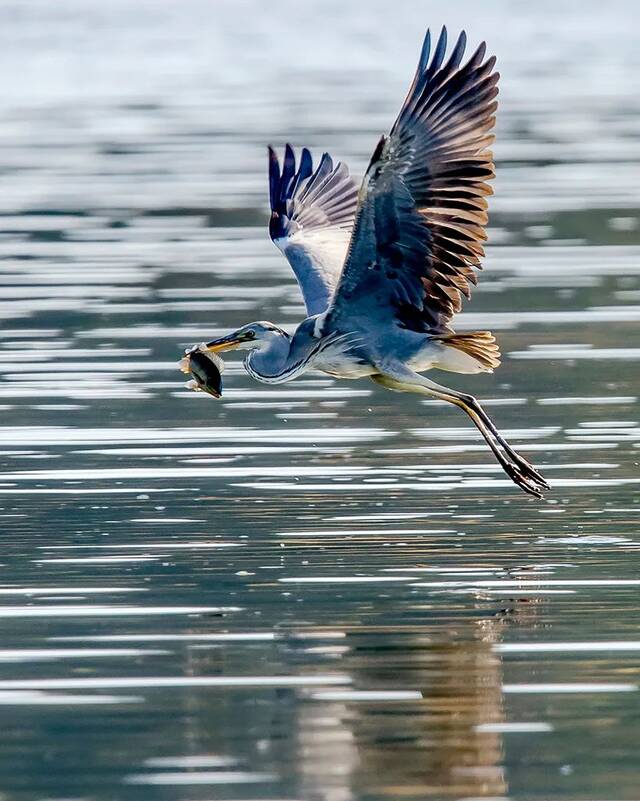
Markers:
point(320, 591)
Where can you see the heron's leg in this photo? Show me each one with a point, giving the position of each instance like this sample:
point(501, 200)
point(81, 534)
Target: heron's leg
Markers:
point(515, 466)
point(471, 404)
point(508, 466)
point(473, 408)
point(529, 468)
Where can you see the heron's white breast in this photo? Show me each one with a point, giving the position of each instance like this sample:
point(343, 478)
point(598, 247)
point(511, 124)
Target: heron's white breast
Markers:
point(342, 366)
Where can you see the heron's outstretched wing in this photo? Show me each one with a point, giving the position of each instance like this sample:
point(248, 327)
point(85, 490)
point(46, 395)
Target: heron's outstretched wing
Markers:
point(422, 209)
point(311, 220)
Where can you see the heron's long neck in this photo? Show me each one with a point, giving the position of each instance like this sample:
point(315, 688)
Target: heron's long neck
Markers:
point(272, 363)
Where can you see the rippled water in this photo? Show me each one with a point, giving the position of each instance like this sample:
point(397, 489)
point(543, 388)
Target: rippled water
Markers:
point(319, 591)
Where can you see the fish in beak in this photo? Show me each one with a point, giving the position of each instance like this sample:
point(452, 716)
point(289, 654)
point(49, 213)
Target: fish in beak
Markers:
point(204, 364)
point(206, 369)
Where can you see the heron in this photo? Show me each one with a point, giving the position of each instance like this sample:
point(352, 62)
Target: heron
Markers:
point(383, 267)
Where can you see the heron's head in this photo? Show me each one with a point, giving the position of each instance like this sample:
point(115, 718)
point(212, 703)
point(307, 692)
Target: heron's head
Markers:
point(250, 337)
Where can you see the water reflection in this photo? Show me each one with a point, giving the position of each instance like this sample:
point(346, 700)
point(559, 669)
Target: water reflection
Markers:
point(403, 747)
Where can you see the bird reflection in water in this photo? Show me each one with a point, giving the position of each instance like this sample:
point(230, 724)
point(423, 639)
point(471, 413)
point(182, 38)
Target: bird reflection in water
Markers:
point(433, 747)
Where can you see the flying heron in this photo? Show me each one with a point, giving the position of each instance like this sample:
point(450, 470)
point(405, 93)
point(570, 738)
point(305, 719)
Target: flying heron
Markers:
point(383, 268)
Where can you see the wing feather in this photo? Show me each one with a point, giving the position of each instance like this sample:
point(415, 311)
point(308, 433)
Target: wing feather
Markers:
point(311, 220)
point(420, 223)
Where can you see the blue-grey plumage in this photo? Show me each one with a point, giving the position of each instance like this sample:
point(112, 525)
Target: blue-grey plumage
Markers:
point(383, 270)
point(311, 220)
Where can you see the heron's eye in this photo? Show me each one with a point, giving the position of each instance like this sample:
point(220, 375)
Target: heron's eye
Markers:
point(250, 335)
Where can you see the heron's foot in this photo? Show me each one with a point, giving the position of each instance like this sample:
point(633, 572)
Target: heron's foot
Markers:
point(527, 470)
point(524, 474)
point(525, 484)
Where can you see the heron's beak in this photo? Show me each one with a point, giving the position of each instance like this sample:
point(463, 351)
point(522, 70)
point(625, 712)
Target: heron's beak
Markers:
point(225, 343)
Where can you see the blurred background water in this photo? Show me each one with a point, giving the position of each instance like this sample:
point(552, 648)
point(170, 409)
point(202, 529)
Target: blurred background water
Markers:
point(319, 591)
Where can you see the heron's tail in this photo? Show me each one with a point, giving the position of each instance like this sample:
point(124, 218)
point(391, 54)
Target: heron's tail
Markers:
point(471, 352)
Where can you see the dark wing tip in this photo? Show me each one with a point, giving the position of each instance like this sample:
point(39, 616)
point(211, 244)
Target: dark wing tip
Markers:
point(274, 177)
point(306, 164)
point(327, 161)
point(423, 63)
point(441, 48)
point(479, 55)
point(289, 155)
point(459, 48)
point(288, 171)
